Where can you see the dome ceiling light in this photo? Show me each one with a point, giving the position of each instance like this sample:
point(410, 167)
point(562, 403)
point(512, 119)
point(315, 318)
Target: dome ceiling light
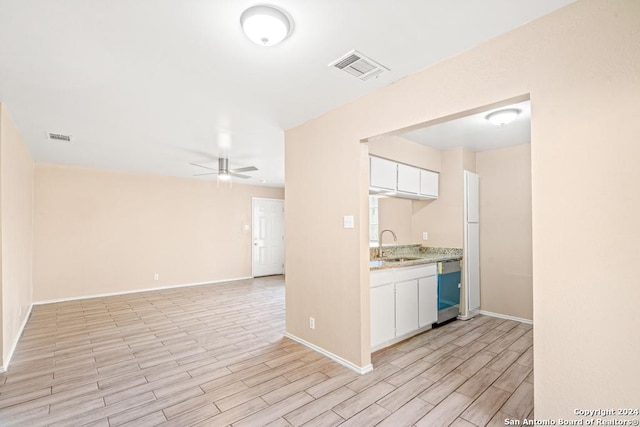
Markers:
point(503, 117)
point(265, 25)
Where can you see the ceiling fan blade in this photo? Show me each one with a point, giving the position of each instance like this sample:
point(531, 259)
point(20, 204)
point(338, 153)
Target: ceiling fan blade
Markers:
point(206, 167)
point(245, 169)
point(203, 174)
point(237, 175)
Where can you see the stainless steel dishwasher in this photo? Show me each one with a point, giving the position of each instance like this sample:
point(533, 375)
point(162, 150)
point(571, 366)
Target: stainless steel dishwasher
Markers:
point(448, 290)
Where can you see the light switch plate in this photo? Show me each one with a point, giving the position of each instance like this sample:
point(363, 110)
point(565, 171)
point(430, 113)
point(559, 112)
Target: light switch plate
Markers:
point(349, 222)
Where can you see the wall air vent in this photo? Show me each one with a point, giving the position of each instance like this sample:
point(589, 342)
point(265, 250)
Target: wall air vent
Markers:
point(359, 65)
point(58, 137)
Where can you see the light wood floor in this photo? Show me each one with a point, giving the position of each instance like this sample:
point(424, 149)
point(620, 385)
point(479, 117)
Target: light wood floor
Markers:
point(215, 355)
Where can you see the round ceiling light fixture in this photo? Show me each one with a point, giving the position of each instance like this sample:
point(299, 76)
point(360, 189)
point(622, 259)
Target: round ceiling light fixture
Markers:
point(503, 117)
point(265, 25)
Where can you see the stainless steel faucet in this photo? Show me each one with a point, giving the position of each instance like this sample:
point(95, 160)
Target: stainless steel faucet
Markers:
point(380, 241)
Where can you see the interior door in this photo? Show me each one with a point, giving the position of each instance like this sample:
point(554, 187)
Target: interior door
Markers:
point(268, 237)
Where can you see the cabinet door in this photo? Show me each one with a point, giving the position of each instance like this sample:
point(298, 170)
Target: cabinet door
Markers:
point(427, 300)
point(429, 183)
point(408, 179)
point(382, 173)
point(382, 314)
point(406, 307)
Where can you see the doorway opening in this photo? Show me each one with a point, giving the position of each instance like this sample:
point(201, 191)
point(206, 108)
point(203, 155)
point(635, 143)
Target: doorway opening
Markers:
point(502, 229)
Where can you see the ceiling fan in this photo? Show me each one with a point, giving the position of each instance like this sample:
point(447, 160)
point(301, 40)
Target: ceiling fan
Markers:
point(223, 171)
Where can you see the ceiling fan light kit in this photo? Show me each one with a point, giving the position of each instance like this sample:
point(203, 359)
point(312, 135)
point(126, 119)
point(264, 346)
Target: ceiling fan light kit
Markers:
point(265, 25)
point(223, 171)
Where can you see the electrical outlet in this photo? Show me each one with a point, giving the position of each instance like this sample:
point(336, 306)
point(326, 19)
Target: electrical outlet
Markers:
point(156, 277)
point(312, 323)
point(425, 235)
point(348, 221)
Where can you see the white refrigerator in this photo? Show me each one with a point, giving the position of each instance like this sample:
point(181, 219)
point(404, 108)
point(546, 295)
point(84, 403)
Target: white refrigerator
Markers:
point(471, 251)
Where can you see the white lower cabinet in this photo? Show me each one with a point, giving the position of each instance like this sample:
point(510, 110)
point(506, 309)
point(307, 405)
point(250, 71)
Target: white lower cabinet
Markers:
point(406, 307)
point(382, 324)
point(427, 301)
point(403, 300)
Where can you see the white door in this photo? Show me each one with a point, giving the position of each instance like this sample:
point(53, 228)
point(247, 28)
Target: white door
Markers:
point(268, 237)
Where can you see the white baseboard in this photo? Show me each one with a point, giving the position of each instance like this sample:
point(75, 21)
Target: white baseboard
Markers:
point(470, 315)
point(504, 316)
point(357, 369)
point(110, 294)
point(5, 364)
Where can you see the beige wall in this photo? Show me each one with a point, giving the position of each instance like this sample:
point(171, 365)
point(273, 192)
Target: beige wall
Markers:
point(580, 67)
point(404, 151)
point(395, 214)
point(99, 231)
point(505, 231)
point(442, 218)
point(16, 231)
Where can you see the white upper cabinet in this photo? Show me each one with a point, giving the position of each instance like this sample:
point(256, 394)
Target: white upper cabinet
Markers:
point(383, 173)
point(408, 179)
point(428, 183)
point(399, 180)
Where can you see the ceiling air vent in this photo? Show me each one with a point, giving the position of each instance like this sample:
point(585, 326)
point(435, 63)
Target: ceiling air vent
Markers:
point(58, 137)
point(359, 65)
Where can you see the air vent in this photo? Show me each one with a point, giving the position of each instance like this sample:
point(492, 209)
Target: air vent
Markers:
point(58, 137)
point(359, 65)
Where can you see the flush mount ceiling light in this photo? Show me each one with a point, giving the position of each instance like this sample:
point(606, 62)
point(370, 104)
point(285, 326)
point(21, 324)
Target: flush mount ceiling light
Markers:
point(503, 117)
point(265, 25)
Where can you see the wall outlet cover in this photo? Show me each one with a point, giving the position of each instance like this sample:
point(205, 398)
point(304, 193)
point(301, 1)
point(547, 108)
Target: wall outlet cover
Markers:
point(349, 221)
point(425, 235)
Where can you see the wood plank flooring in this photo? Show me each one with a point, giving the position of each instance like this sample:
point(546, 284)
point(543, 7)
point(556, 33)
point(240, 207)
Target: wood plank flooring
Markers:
point(215, 355)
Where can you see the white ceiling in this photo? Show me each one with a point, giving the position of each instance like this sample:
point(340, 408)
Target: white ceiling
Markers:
point(152, 85)
point(475, 132)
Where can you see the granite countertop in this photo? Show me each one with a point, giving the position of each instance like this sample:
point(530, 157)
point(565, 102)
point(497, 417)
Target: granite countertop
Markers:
point(410, 255)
